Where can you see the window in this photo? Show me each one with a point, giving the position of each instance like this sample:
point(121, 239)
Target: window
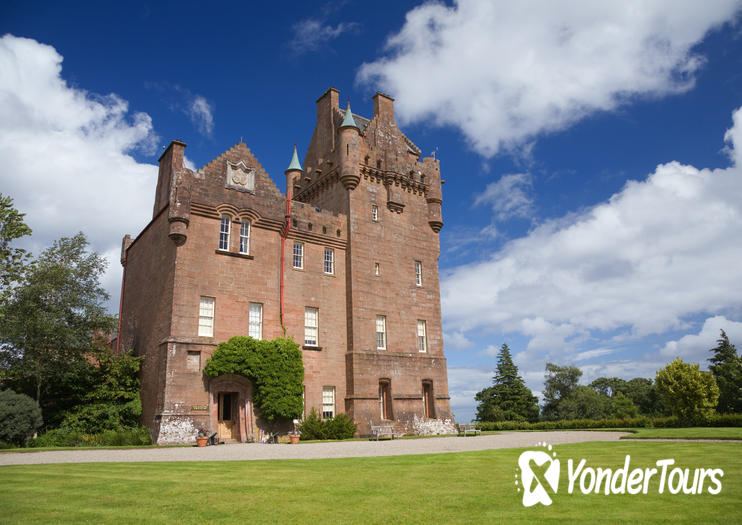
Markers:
point(422, 340)
point(380, 332)
point(298, 255)
point(206, 317)
point(428, 404)
point(255, 329)
point(245, 237)
point(310, 326)
point(328, 402)
point(377, 269)
point(193, 360)
point(385, 399)
point(418, 273)
point(329, 261)
point(224, 233)
point(374, 212)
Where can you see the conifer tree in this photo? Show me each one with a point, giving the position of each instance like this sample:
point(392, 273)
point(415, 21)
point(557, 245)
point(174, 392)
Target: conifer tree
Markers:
point(727, 369)
point(508, 399)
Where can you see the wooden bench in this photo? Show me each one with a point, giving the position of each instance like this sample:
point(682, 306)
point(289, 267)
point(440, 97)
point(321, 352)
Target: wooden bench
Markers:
point(467, 428)
point(383, 430)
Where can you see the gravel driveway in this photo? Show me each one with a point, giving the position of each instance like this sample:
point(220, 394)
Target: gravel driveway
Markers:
point(343, 449)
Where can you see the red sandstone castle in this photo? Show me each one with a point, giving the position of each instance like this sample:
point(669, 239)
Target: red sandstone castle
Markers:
point(346, 262)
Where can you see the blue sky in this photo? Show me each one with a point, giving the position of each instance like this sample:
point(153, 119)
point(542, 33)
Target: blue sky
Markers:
point(591, 152)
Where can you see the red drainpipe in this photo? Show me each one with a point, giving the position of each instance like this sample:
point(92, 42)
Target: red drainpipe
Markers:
point(283, 251)
point(121, 310)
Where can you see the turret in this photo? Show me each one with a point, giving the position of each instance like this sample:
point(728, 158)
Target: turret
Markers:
point(349, 151)
point(293, 175)
point(434, 195)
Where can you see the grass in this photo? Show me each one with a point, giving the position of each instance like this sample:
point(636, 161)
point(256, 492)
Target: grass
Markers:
point(444, 488)
point(687, 433)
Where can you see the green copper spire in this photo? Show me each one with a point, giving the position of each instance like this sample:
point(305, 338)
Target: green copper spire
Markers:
point(348, 120)
point(295, 164)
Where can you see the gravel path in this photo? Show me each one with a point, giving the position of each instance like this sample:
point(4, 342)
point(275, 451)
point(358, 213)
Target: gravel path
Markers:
point(343, 449)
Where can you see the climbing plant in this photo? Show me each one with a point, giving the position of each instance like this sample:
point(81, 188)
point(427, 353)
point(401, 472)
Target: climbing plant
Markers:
point(275, 368)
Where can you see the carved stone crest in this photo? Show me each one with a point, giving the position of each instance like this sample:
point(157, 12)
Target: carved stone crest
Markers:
point(240, 176)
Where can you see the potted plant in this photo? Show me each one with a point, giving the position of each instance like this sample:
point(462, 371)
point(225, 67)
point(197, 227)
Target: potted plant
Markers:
point(294, 437)
point(202, 438)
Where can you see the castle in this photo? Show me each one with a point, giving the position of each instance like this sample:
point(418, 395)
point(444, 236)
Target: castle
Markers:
point(345, 263)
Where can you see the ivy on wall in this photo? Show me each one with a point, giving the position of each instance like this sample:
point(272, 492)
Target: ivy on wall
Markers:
point(275, 368)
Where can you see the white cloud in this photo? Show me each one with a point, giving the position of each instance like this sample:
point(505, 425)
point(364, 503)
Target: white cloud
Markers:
point(695, 347)
point(505, 72)
point(310, 34)
point(201, 114)
point(463, 385)
point(66, 154)
point(456, 340)
point(655, 253)
point(509, 196)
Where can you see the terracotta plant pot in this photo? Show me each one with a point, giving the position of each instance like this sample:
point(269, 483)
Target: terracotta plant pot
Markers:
point(201, 441)
point(294, 438)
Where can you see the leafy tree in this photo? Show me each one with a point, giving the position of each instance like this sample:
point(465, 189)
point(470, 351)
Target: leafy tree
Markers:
point(113, 402)
point(609, 386)
point(49, 323)
point(509, 398)
point(583, 402)
point(690, 393)
point(623, 407)
point(275, 367)
point(12, 260)
point(20, 417)
point(727, 370)
point(560, 382)
point(643, 393)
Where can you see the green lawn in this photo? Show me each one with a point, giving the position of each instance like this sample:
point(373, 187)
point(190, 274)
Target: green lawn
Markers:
point(444, 488)
point(687, 433)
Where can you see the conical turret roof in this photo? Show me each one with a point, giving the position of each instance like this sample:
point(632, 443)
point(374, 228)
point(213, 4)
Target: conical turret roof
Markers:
point(348, 121)
point(295, 164)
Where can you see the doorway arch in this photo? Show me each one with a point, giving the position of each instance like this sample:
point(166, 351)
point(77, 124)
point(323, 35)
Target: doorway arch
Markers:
point(231, 412)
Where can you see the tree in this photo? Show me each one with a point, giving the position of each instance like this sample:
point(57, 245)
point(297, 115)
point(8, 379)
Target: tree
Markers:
point(583, 402)
point(509, 398)
point(49, 323)
point(560, 382)
point(690, 393)
point(609, 386)
point(12, 260)
point(623, 407)
point(727, 370)
point(20, 417)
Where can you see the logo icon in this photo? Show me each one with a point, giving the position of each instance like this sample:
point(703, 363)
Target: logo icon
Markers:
point(539, 472)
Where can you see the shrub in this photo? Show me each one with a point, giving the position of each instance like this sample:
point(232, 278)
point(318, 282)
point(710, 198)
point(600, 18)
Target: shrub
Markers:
point(111, 438)
point(20, 417)
point(338, 427)
point(690, 393)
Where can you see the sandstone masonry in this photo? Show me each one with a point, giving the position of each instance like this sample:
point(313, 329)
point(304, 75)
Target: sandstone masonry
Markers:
point(346, 263)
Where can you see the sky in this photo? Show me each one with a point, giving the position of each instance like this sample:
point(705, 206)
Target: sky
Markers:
point(592, 151)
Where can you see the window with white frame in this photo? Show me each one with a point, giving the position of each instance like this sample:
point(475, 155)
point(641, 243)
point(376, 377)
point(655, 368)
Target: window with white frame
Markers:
point(422, 338)
point(328, 402)
point(224, 233)
point(255, 328)
point(298, 255)
point(374, 212)
point(245, 237)
point(311, 326)
point(418, 273)
point(381, 332)
point(193, 360)
point(206, 317)
point(329, 261)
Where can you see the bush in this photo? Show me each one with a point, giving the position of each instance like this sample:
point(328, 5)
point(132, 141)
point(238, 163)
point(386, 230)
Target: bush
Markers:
point(20, 417)
point(338, 427)
point(111, 438)
point(723, 420)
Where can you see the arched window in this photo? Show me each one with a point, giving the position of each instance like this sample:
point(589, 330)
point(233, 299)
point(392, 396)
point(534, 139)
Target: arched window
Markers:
point(245, 236)
point(224, 233)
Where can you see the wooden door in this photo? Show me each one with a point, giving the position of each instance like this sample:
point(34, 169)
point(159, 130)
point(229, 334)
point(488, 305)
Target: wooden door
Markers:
point(226, 416)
